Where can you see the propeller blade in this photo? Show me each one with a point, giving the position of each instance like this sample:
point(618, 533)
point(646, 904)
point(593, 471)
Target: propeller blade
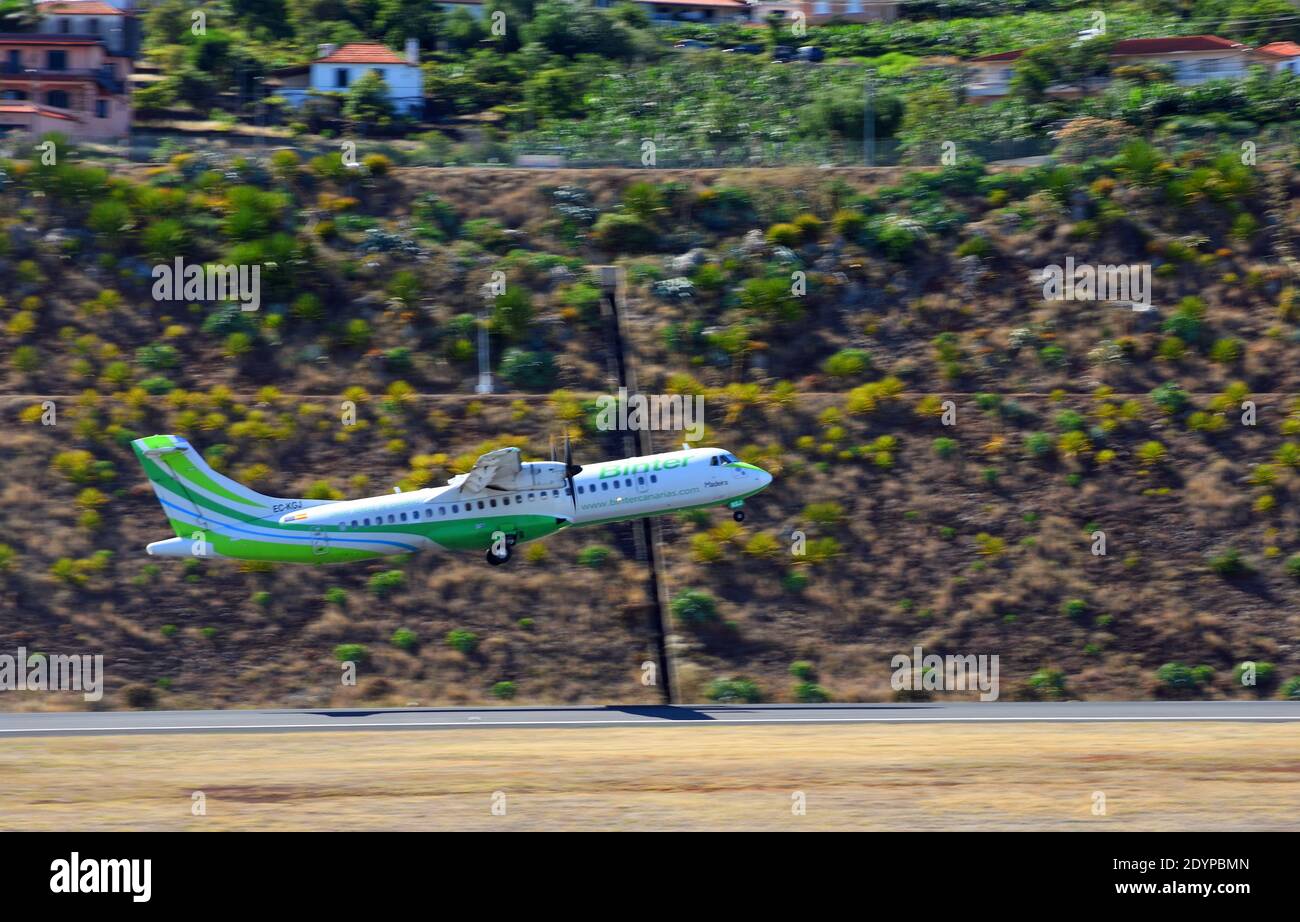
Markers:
point(552, 440)
point(570, 469)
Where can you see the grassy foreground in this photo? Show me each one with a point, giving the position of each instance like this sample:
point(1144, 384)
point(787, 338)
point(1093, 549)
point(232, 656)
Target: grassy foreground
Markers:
point(1153, 776)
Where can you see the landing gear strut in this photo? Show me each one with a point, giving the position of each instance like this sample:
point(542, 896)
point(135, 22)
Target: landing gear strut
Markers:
point(497, 559)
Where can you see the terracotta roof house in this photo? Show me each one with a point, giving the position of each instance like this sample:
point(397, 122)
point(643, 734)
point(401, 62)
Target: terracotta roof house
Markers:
point(116, 26)
point(337, 67)
point(70, 83)
point(1280, 56)
point(660, 11)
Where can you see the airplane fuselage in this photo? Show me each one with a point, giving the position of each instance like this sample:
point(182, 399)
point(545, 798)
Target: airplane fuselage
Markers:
point(310, 531)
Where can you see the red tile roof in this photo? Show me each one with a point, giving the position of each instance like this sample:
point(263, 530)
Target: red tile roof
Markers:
point(27, 108)
point(363, 53)
point(723, 4)
point(1131, 46)
point(1142, 46)
point(78, 8)
point(1280, 49)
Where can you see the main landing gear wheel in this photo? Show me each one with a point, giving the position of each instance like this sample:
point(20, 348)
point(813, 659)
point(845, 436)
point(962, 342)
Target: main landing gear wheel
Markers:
point(738, 515)
point(497, 561)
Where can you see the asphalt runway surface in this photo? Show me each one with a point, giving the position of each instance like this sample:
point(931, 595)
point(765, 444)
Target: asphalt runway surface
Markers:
point(91, 723)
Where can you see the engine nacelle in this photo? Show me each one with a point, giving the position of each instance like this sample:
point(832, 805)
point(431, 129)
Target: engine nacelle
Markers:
point(534, 475)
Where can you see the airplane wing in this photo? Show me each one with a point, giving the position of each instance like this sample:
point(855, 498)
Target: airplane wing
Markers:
point(491, 471)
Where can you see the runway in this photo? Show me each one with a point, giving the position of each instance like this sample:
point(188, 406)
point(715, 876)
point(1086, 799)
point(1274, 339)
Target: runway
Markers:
point(91, 723)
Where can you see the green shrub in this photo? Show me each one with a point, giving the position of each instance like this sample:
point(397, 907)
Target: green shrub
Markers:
point(786, 235)
point(1170, 397)
point(848, 363)
point(351, 653)
point(945, 447)
point(795, 581)
point(504, 690)
point(733, 691)
point(1179, 678)
point(824, 513)
point(623, 233)
point(462, 641)
point(387, 582)
point(802, 669)
point(810, 693)
point(533, 371)
point(594, 555)
point(1038, 444)
point(404, 638)
point(512, 312)
point(1266, 677)
point(693, 607)
point(1048, 683)
point(1230, 564)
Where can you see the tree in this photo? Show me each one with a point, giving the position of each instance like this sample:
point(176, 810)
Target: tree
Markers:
point(568, 28)
point(369, 104)
point(398, 20)
point(1071, 64)
point(512, 312)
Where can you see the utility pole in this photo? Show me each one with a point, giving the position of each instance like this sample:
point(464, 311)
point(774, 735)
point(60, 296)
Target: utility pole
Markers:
point(484, 385)
point(868, 123)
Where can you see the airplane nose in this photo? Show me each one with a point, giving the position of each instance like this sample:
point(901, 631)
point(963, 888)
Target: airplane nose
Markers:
point(764, 477)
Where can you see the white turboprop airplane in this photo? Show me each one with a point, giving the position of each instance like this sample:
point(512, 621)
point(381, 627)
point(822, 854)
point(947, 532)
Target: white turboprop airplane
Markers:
point(500, 502)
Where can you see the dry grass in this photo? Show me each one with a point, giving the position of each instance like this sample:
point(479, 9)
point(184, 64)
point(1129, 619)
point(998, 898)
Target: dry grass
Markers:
point(1154, 777)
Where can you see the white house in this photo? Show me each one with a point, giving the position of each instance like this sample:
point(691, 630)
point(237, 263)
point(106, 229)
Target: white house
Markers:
point(336, 69)
point(1192, 58)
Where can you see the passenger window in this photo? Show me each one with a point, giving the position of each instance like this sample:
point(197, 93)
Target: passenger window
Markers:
point(605, 485)
point(480, 504)
point(442, 510)
point(455, 508)
point(391, 518)
point(654, 478)
point(492, 503)
point(366, 521)
point(403, 516)
point(641, 481)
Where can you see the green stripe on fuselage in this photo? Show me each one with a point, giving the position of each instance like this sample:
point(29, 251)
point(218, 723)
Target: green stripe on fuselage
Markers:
point(452, 533)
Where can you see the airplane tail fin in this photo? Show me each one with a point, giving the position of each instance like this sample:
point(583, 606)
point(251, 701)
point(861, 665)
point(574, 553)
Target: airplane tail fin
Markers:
point(197, 500)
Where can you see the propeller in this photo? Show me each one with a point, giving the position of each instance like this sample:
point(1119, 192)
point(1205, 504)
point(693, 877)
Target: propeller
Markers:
point(571, 470)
